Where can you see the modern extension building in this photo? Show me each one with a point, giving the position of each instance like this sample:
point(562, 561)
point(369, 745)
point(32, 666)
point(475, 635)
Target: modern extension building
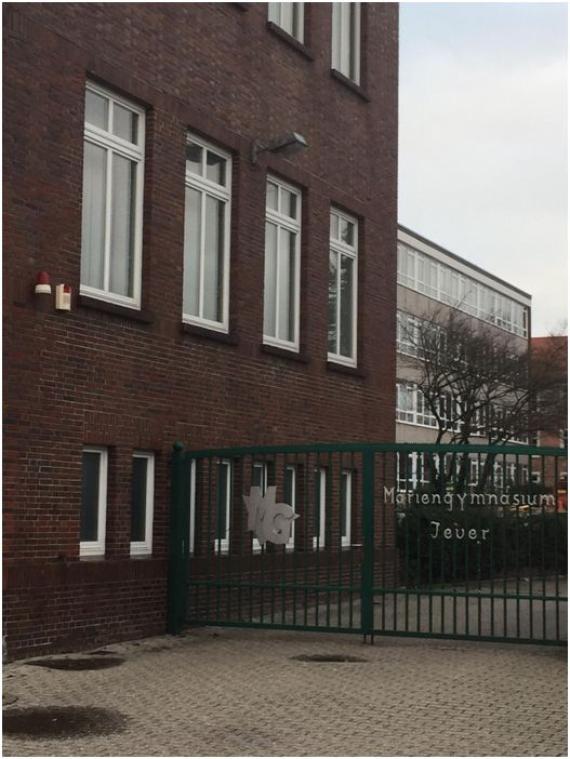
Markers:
point(200, 228)
point(433, 280)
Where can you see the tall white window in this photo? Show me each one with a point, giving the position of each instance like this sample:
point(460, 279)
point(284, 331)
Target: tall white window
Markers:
point(223, 502)
point(289, 16)
point(345, 507)
point(207, 235)
point(142, 503)
point(346, 39)
point(290, 497)
point(93, 502)
point(320, 507)
point(113, 175)
point(342, 297)
point(282, 265)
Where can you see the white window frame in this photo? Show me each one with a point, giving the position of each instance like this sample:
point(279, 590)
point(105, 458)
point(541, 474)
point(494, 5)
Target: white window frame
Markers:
point(192, 509)
point(116, 145)
point(341, 57)
point(281, 220)
point(290, 545)
point(341, 249)
point(256, 545)
point(322, 472)
point(206, 187)
point(97, 547)
point(144, 547)
point(278, 14)
point(222, 545)
point(346, 539)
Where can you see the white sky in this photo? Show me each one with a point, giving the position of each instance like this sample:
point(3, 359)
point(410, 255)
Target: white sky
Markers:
point(483, 140)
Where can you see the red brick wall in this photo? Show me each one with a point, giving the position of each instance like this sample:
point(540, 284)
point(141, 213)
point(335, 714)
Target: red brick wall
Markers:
point(99, 376)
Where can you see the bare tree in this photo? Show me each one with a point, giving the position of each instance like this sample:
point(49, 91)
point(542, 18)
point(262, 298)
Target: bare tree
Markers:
point(476, 380)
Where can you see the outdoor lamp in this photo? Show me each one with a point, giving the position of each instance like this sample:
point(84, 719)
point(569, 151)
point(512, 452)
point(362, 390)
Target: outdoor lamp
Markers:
point(287, 144)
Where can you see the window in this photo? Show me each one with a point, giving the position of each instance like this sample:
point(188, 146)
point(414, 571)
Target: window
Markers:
point(93, 502)
point(405, 402)
point(282, 271)
point(259, 476)
point(113, 175)
point(207, 235)
point(345, 507)
point(290, 497)
point(223, 501)
point(346, 39)
point(320, 492)
point(342, 297)
point(192, 513)
point(142, 503)
point(289, 16)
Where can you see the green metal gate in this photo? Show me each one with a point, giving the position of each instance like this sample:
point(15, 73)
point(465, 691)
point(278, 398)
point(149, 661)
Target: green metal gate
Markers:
point(440, 541)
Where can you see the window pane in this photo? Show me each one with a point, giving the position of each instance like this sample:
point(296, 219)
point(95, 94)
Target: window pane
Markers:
point(334, 226)
point(89, 517)
point(139, 496)
point(344, 495)
point(192, 252)
point(221, 502)
point(194, 158)
point(288, 203)
point(272, 195)
point(122, 226)
point(125, 123)
point(332, 301)
point(215, 168)
point(287, 17)
point(346, 304)
point(96, 109)
point(270, 295)
point(213, 260)
point(286, 285)
point(93, 216)
point(346, 231)
point(258, 476)
point(273, 12)
point(288, 487)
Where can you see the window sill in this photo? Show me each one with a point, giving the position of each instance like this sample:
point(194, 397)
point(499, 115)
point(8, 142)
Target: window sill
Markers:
point(274, 350)
point(293, 42)
point(145, 317)
point(209, 334)
point(356, 88)
point(353, 371)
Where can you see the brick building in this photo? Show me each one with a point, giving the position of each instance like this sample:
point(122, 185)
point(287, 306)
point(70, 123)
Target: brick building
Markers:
point(215, 299)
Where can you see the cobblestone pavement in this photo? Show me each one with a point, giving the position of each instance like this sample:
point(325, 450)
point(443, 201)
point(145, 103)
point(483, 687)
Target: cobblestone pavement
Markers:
point(231, 692)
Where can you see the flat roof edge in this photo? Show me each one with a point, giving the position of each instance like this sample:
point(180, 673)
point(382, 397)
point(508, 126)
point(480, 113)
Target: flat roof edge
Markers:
point(463, 260)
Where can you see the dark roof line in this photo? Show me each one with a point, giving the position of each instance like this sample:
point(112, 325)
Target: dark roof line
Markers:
point(463, 260)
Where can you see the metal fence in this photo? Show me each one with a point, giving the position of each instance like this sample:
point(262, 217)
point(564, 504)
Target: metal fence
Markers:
point(386, 539)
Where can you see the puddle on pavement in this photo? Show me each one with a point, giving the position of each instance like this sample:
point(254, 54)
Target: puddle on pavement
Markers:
point(79, 663)
point(324, 658)
point(62, 721)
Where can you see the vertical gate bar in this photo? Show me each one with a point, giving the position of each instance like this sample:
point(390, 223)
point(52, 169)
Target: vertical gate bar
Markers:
point(441, 542)
point(542, 543)
point(218, 531)
point(557, 527)
point(529, 533)
point(491, 551)
point(317, 529)
point(518, 571)
point(479, 551)
point(505, 562)
point(284, 567)
point(418, 463)
point(383, 506)
point(329, 512)
point(430, 556)
point(241, 545)
point(251, 545)
point(339, 541)
point(407, 595)
point(367, 580)
point(351, 565)
point(211, 548)
point(307, 540)
point(271, 546)
point(178, 544)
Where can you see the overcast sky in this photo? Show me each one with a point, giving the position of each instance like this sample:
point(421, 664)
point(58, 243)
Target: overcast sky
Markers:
point(483, 140)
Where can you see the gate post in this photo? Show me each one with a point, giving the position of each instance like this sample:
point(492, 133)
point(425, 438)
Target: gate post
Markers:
point(178, 542)
point(367, 577)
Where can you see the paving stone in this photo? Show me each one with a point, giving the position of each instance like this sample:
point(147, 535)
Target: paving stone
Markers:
point(238, 693)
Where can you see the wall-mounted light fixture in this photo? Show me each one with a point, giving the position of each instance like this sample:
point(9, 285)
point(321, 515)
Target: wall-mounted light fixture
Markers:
point(288, 144)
